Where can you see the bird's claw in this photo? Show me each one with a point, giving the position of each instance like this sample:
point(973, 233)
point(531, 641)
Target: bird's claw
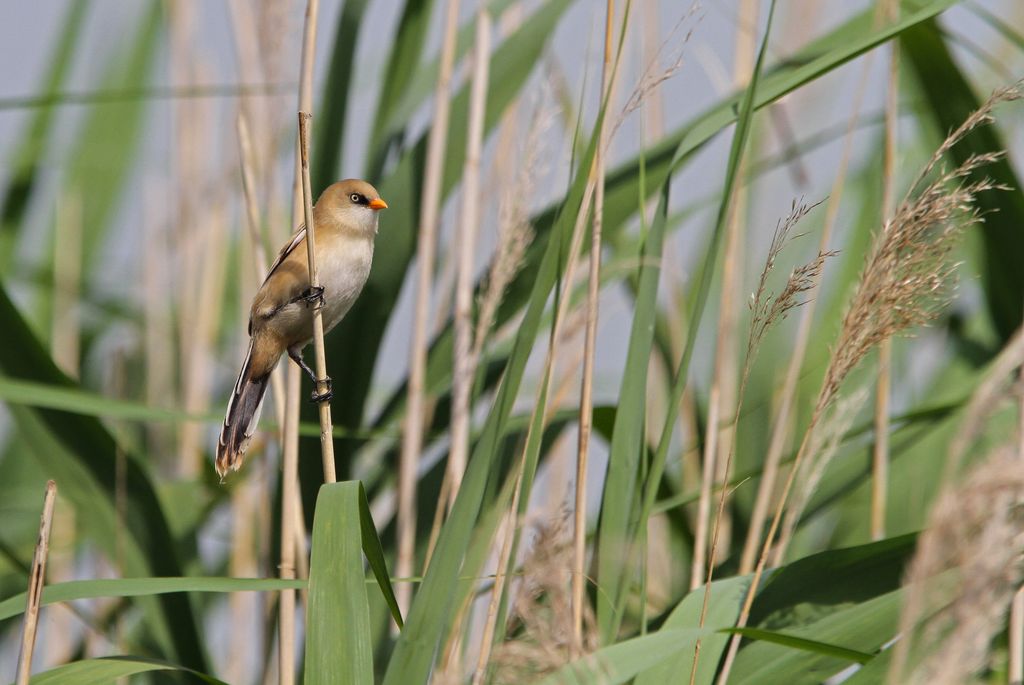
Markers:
point(325, 396)
point(313, 296)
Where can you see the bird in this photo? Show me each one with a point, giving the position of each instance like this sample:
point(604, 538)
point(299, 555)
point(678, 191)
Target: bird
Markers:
point(345, 218)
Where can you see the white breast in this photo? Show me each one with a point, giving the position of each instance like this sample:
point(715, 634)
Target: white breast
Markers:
point(343, 273)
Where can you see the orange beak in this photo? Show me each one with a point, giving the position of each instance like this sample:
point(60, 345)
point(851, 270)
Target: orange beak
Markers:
point(378, 204)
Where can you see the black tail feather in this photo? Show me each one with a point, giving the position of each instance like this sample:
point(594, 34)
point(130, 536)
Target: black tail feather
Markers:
point(242, 416)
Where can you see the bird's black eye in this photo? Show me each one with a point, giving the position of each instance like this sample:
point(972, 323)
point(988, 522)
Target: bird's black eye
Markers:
point(357, 198)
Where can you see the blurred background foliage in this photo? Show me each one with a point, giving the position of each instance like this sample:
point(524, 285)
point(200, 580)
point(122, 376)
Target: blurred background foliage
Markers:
point(126, 273)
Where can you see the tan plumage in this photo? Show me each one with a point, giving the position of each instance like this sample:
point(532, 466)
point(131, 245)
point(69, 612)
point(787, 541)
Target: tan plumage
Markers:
point(281, 317)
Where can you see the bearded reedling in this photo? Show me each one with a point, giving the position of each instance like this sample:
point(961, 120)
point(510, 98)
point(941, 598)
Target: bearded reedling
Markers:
point(281, 317)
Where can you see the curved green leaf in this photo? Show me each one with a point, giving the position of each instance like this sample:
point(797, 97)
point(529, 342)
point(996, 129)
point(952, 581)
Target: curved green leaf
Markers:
point(109, 669)
point(73, 590)
point(620, 662)
point(338, 648)
point(801, 643)
point(723, 609)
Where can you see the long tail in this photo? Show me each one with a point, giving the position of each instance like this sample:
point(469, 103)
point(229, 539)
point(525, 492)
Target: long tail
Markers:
point(242, 416)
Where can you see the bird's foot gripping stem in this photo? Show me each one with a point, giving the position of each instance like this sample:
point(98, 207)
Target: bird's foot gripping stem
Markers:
point(317, 396)
point(325, 396)
point(313, 296)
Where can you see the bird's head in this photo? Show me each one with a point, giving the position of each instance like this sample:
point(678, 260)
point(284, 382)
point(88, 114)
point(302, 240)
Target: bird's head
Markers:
point(352, 203)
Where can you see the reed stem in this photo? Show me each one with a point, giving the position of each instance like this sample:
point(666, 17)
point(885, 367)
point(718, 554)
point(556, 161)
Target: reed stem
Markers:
point(412, 436)
point(586, 415)
point(880, 452)
point(36, 579)
point(324, 407)
point(464, 361)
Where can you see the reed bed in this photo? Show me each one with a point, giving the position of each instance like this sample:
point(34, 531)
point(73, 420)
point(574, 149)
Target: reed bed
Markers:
point(549, 457)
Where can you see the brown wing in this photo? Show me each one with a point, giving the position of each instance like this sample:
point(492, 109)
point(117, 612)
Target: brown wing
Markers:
point(297, 238)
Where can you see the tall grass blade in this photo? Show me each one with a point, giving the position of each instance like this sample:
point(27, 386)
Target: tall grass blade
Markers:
point(74, 590)
point(726, 600)
point(109, 669)
point(618, 506)
point(338, 648)
point(699, 298)
point(374, 552)
point(864, 627)
point(801, 643)
point(621, 662)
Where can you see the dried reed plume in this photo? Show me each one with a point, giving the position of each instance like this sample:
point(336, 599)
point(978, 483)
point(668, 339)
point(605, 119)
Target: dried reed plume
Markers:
point(905, 282)
point(906, 279)
point(977, 532)
point(540, 624)
point(767, 310)
point(663, 66)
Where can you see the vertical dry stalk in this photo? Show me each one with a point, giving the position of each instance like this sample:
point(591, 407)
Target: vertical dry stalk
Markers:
point(766, 311)
point(65, 336)
point(707, 477)
point(191, 119)
point(290, 436)
point(289, 497)
point(586, 415)
point(412, 437)
point(305, 97)
point(35, 587)
point(903, 285)
point(722, 400)
point(326, 437)
point(245, 499)
point(557, 324)
point(781, 425)
point(976, 530)
point(1016, 637)
point(463, 362)
point(880, 453)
